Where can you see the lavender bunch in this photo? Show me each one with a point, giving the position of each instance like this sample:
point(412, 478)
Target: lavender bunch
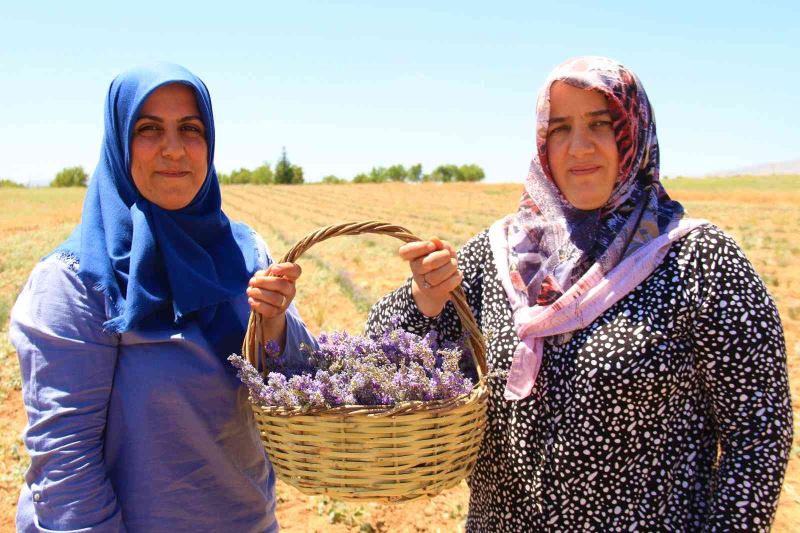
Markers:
point(346, 369)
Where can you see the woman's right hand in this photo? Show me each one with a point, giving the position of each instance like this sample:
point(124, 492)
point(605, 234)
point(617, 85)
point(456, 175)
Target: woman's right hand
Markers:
point(435, 273)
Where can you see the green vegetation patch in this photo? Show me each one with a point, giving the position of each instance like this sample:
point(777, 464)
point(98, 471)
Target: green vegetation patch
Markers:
point(782, 183)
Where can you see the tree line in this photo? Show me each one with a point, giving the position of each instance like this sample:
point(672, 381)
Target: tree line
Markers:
point(414, 174)
point(285, 173)
point(10, 184)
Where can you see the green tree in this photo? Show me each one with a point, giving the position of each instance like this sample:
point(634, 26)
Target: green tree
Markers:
point(378, 175)
point(471, 173)
point(262, 175)
point(70, 177)
point(297, 175)
point(287, 173)
point(396, 173)
point(361, 178)
point(446, 174)
point(10, 184)
point(333, 179)
point(242, 175)
point(414, 173)
point(224, 179)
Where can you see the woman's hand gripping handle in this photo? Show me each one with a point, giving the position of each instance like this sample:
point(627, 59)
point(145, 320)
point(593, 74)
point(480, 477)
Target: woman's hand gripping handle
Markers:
point(434, 269)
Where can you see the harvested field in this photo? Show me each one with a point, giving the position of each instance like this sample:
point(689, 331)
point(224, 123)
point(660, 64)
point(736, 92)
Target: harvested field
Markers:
point(762, 214)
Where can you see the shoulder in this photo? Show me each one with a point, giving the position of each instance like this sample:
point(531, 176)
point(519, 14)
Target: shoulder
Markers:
point(55, 298)
point(709, 238)
point(58, 272)
point(262, 253)
point(714, 267)
point(709, 248)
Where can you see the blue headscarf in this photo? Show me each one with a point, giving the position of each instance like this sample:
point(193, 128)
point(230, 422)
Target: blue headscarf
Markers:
point(159, 267)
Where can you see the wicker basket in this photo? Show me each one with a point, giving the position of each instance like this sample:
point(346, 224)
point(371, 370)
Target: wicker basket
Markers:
point(374, 453)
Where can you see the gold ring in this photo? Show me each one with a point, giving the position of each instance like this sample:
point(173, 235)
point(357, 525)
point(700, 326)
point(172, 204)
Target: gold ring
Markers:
point(425, 284)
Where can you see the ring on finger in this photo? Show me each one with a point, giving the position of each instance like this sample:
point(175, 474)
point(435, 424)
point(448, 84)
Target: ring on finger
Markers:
point(283, 301)
point(425, 283)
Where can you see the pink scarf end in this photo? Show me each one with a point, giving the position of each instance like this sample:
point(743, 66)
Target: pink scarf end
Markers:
point(524, 369)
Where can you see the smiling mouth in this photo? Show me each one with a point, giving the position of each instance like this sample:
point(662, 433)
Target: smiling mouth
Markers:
point(584, 170)
point(173, 173)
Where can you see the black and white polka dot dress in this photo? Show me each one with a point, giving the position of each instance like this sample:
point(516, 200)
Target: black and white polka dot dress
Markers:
point(625, 421)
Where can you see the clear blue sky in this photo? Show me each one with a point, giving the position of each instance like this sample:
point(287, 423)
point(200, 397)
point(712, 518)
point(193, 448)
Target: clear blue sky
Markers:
point(349, 85)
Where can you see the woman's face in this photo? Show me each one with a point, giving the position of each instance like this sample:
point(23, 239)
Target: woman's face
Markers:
point(169, 154)
point(581, 147)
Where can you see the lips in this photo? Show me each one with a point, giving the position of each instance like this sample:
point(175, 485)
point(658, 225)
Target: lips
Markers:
point(582, 170)
point(173, 173)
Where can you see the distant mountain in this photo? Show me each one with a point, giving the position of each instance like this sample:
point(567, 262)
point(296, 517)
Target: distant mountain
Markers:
point(768, 169)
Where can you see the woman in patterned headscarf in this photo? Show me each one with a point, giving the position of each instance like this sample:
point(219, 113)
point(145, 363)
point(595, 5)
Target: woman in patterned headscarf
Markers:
point(628, 343)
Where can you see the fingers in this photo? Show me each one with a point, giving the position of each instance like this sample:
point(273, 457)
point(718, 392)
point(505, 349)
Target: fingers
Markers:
point(432, 262)
point(451, 283)
point(438, 275)
point(264, 309)
point(271, 283)
point(278, 298)
point(449, 247)
point(289, 271)
point(414, 250)
point(417, 249)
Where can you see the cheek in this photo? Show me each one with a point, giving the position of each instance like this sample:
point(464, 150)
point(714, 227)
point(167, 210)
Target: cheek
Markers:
point(556, 157)
point(199, 156)
point(613, 158)
point(142, 155)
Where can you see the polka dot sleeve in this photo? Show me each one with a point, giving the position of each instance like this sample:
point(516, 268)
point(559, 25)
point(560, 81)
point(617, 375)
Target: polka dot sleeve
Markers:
point(741, 355)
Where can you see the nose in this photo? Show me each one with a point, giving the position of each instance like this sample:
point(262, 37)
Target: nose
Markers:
point(172, 147)
point(581, 142)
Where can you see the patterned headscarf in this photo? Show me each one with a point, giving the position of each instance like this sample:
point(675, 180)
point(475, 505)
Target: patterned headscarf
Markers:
point(552, 244)
point(562, 267)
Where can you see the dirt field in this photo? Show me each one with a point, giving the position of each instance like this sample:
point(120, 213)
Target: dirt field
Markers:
point(353, 272)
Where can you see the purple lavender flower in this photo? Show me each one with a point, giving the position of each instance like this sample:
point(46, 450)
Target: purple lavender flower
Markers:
point(345, 369)
point(272, 349)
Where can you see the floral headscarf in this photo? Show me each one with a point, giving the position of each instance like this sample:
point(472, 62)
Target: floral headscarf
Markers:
point(561, 267)
point(554, 243)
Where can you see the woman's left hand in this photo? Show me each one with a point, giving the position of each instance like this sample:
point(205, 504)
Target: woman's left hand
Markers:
point(271, 291)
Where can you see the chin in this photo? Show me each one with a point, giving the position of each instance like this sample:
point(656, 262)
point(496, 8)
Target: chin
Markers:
point(173, 202)
point(588, 203)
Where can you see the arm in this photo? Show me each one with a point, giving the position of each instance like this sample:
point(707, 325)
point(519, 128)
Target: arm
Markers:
point(271, 292)
point(739, 341)
point(67, 364)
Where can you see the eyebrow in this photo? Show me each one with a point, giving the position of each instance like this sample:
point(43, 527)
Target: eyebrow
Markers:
point(597, 113)
point(159, 119)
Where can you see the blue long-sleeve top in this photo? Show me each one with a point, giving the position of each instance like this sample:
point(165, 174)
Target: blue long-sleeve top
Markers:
point(135, 431)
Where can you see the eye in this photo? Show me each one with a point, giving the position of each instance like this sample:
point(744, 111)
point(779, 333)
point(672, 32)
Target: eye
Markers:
point(599, 124)
point(148, 129)
point(563, 128)
point(192, 129)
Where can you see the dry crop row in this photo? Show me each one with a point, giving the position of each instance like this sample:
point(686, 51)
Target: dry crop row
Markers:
point(344, 276)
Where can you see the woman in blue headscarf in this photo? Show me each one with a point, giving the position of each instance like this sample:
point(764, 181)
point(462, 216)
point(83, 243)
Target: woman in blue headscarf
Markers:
point(136, 422)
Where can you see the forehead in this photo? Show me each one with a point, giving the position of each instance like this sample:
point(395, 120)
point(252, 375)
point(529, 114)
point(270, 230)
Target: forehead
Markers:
point(171, 99)
point(568, 100)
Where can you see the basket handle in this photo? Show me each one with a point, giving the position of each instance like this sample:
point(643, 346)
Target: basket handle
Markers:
point(254, 342)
